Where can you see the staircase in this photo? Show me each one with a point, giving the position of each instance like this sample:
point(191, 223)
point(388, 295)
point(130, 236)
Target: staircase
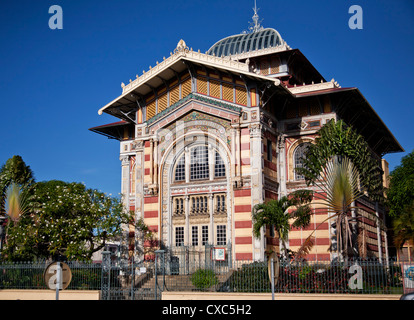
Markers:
point(181, 282)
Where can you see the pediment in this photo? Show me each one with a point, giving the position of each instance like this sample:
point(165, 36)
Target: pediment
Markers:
point(216, 110)
point(193, 124)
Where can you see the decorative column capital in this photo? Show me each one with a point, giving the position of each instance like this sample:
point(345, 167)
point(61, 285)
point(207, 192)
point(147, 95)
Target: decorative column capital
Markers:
point(124, 160)
point(255, 130)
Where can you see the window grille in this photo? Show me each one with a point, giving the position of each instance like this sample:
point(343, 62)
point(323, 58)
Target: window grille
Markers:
point(298, 158)
point(180, 169)
point(221, 235)
point(179, 236)
point(220, 169)
point(194, 235)
point(201, 85)
point(204, 235)
point(199, 163)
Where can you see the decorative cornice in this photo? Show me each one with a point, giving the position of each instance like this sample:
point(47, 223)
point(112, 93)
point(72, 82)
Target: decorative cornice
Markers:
point(314, 87)
point(182, 51)
point(193, 96)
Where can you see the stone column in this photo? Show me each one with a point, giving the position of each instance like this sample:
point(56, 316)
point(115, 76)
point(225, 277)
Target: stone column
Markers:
point(187, 230)
point(238, 152)
point(152, 160)
point(125, 191)
point(257, 183)
point(211, 231)
point(139, 201)
point(233, 154)
point(155, 162)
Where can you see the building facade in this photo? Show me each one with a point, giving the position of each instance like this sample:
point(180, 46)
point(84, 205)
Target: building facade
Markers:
point(204, 137)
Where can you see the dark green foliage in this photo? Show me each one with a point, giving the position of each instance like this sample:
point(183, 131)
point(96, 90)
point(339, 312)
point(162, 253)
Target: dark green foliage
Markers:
point(337, 138)
point(275, 214)
point(204, 278)
point(64, 219)
point(401, 189)
point(252, 277)
point(400, 200)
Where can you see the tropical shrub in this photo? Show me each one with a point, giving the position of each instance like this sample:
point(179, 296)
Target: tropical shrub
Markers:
point(204, 278)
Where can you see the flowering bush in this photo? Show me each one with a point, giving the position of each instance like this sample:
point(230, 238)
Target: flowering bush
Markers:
point(65, 219)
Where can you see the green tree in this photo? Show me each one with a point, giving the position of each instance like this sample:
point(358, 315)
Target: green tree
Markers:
point(400, 193)
point(339, 143)
point(403, 226)
point(400, 200)
point(275, 214)
point(65, 219)
point(339, 139)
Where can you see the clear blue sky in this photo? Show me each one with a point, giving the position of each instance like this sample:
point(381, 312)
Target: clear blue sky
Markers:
point(52, 82)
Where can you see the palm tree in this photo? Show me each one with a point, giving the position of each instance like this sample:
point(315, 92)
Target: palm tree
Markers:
point(14, 175)
point(16, 180)
point(340, 185)
point(275, 214)
point(337, 140)
point(16, 201)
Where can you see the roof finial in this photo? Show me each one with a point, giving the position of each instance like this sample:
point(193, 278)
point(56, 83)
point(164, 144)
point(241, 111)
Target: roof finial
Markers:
point(255, 25)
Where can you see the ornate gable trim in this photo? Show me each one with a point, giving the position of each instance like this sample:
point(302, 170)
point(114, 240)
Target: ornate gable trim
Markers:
point(194, 96)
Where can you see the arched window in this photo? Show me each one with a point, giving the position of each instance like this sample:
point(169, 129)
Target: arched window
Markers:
point(199, 167)
point(298, 156)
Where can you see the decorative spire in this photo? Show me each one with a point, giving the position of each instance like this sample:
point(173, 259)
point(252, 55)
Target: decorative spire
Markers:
point(255, 25)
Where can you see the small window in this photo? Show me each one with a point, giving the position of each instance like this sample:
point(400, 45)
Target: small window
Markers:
point(221, 235)
point(179, 236)
point(204, 235)
point(194, 235)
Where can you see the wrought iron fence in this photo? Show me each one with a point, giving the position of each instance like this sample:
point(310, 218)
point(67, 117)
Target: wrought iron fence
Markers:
point(353, 277)
point(147, 280)
point(30, 275)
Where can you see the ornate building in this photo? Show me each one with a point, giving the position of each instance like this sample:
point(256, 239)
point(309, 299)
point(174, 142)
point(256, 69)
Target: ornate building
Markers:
point(206, 136)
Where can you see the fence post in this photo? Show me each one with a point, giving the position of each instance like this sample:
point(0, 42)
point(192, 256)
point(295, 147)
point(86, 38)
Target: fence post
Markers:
point(272, 272)
point(106, 275)
point(58, 279)
point(159, 254)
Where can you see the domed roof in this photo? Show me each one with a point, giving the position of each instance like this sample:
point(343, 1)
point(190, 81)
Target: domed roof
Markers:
point(241, 43)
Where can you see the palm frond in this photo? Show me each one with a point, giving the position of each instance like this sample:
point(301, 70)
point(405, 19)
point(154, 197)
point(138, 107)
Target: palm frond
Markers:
point(16, 202)
point(306, 247)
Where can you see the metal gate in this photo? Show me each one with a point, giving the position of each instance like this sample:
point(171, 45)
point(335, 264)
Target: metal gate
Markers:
point(128, 281)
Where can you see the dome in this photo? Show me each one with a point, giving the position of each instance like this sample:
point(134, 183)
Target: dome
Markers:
point(265, 38)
